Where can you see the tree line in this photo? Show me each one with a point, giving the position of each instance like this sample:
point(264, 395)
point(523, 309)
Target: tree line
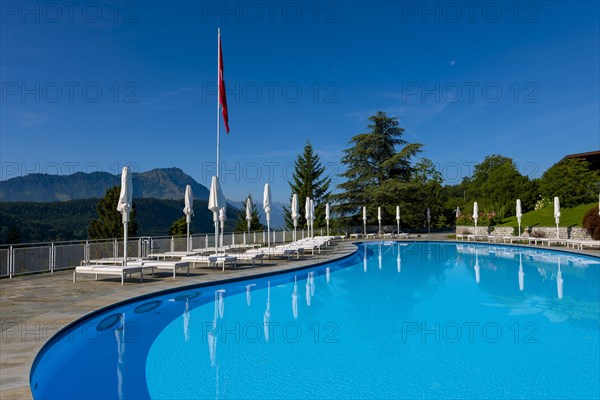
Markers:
point(382, 169)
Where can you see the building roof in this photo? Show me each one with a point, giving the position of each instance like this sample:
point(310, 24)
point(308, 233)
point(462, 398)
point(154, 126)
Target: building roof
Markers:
point(592, 157)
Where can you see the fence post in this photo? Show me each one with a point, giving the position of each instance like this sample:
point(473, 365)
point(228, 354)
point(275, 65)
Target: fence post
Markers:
point(172, 243)
point(51, 257)
point(140, 247)
point(86, 252)
point(206, 242)
point(115, 248)
point(11, 261)
point(254, 237)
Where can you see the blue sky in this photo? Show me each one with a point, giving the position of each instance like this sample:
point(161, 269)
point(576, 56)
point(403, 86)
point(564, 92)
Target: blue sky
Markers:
point(99, 85)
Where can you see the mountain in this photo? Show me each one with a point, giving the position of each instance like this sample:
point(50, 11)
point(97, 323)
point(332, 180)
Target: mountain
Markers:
point(69, 220)
point(164, 183)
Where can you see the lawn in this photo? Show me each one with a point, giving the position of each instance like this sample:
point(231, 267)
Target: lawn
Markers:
point(545, 216)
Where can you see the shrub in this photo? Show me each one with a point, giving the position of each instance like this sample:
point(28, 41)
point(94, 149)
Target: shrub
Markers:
point(543, 203)
point(591, 222)
point(464, 219)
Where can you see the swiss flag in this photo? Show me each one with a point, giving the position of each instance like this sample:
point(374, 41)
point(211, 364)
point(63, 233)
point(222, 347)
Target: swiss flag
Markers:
point(222, 94)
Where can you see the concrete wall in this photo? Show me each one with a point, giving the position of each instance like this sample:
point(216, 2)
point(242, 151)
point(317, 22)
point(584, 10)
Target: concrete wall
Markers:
point(549, 232)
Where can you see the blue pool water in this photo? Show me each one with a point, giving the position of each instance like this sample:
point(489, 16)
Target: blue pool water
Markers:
point(402, 320)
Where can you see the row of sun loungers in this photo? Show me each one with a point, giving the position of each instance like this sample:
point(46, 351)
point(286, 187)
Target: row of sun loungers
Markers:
point(574, 243)
point(174, 261)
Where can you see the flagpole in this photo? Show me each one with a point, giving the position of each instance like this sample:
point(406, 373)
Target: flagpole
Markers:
point(218, 99)
point(216, 222)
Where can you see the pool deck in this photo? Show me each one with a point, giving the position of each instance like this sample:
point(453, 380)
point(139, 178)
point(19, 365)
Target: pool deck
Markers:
point(34, 307)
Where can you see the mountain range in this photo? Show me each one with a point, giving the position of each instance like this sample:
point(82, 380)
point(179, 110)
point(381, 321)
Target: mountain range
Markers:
point(164, 183)
point(19, 195)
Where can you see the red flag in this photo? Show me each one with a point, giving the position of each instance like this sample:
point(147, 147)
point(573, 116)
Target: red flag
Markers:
point(222, 95)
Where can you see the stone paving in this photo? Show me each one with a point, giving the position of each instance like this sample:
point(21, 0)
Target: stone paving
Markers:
point(33, 308)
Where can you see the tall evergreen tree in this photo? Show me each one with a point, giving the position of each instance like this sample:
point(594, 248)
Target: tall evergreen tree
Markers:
point(308, 181)
point(241, 224)
point(377, 173)
point(109, 223)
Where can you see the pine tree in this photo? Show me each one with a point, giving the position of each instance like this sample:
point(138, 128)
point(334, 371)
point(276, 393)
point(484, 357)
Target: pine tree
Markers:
point(241, 224)
point(377, 174)
point(109, 223)
point(308, 181)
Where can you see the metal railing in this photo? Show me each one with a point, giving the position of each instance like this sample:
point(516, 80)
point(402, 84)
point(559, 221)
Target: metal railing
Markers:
point(20, 259)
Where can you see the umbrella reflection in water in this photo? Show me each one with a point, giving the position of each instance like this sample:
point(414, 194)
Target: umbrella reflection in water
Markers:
point(559, 281)
point(476, 267)
point(521, 274)
point(365, 257)
point(399, 260)
point(186, 321)
point(120, 339)
point(267, 316)
point(295, 299)
point(249, 293)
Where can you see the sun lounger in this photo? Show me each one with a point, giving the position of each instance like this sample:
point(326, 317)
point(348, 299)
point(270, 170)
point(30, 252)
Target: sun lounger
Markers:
point(118, 270)
point(163, 265)
point(172, 254)
point(581, 243)
point(212, 260)
point(109, 261)
point(250, 257)
point(278, 251)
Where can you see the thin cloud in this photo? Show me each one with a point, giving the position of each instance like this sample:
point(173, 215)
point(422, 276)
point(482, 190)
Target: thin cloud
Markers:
point(31, 118)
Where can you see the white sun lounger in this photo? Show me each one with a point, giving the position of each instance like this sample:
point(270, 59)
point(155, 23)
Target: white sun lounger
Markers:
point(118, 270)
point(581, 243)
point(172, 254)
point(250, 257)
point(278, 251)
point(109, 261)
point(163, 265)
point(213, 260)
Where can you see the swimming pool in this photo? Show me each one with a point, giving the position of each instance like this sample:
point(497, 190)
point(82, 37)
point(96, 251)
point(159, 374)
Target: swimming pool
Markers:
point(425, 319)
